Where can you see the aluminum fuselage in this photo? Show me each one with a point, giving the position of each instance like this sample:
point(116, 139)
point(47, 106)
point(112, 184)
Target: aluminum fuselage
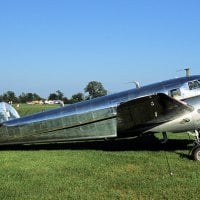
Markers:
point(97, 118)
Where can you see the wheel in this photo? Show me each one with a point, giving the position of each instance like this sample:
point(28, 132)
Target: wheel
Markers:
point(196, 153)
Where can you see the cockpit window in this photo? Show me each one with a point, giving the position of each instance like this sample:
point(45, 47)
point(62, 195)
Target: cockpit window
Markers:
point(175, 92)
point(194, 85)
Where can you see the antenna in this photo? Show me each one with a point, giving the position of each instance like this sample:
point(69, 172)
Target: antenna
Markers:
point(137, 84)
point(187, 70)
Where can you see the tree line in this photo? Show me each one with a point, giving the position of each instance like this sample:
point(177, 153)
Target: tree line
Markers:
point(92, 90)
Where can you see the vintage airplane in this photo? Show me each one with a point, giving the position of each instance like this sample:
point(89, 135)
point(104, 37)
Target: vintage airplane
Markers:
point(168, 106)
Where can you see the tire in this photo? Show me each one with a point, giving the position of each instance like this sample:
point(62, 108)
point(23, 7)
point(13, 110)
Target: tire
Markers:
point(196, 153)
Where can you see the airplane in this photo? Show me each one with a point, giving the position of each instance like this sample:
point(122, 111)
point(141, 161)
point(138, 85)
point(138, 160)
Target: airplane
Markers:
point(167, 106)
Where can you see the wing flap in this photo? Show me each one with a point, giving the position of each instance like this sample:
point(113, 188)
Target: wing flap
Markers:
point(149, 110)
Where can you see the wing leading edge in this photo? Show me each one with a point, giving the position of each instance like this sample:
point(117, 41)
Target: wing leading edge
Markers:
point(149, 111)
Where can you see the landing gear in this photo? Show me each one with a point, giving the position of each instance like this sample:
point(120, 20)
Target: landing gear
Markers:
point(195, 152)
point(165, 138)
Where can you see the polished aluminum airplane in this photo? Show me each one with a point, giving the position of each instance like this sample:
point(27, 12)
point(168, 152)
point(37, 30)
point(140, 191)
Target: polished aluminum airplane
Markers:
point(168, 106)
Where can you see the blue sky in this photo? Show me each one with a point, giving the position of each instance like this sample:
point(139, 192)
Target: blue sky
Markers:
point(46, 45)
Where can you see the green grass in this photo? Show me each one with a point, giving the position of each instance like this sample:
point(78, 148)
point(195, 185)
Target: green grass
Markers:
point(25, 109)
point(121, 170)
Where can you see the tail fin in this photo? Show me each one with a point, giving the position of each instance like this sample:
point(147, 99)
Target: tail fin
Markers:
point(7, 112)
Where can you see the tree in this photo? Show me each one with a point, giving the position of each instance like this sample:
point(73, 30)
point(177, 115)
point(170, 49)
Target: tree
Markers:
point(58, 95)
point(66, 100)
point(95, 89)
point(9, 96)
point(53, 96)
point(36, 97)
point(22, 98)
point(77, 97)
point(28, 97)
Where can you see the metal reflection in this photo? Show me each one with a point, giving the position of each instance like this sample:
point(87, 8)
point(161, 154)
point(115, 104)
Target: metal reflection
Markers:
point(133, 111)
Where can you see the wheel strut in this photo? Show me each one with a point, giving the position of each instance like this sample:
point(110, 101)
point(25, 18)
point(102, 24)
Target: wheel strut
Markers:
point(165, 138)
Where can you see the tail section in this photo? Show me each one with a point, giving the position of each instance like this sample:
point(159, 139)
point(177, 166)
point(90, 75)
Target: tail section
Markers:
point(7, 112)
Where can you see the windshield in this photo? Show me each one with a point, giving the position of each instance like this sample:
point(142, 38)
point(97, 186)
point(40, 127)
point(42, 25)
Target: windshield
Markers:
point(194, 85)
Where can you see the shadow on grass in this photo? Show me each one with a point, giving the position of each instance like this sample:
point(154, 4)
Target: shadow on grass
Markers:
point(143, 143)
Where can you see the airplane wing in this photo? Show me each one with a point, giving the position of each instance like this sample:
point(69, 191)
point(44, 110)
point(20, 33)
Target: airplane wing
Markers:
point(149, 111)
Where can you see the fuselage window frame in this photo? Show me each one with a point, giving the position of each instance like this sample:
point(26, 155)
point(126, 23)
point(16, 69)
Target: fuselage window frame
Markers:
point(176, 92)
point(193, 85)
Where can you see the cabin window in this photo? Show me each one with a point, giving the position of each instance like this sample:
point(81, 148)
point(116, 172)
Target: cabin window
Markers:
point(175, 92)
point(194, 85)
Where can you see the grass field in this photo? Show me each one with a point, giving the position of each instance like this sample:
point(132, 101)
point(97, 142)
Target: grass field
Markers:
point(131, 169)
point(25, 109)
